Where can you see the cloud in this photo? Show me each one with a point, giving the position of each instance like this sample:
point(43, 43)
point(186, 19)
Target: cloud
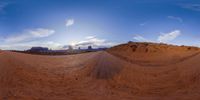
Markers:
point(40, 32)
point(143, 24)
point(3, 6)
point(19, 38)
point(29, 35)
point(167, 37)
point(89, 37)
point(141, 39)
point(51, 45)
point(69, 22)
point(195, 7)
point(28, 45)
point(175, 18)
point(92, 41)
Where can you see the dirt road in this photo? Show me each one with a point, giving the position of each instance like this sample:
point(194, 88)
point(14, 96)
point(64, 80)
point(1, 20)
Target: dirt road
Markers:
point(96, 76)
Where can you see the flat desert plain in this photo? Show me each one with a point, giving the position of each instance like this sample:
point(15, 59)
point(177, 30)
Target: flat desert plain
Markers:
point(133, 71)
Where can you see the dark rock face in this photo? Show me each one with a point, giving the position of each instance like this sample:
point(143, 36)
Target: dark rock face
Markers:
point(39, 49)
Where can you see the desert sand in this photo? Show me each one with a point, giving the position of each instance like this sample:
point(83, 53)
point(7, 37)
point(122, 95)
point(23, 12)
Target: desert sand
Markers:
point(133, 71)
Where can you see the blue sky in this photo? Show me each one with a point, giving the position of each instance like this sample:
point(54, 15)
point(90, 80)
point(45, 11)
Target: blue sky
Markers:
point(100, 23)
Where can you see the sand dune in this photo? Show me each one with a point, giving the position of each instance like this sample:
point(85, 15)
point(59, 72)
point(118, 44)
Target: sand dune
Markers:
point(141, 71)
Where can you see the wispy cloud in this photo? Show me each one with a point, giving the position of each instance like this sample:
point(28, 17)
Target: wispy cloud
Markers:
point(69, 22)
point(41, 32)
point(2, 6)
point(29, 35)
point(93, 41)
point(141, 38)
point(143, 24)
point(28, 45)
point(195, 7)
point(164, 38)
point(175, 18)
point(167, 37)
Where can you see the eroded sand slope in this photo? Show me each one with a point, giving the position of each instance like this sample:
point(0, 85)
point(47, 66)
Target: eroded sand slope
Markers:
point(125, 72)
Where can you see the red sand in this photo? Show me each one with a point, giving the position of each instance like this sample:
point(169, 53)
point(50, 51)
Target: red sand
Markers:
point(129, 71)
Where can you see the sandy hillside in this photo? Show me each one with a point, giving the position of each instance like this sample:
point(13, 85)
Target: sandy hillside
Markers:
point(139, 71)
